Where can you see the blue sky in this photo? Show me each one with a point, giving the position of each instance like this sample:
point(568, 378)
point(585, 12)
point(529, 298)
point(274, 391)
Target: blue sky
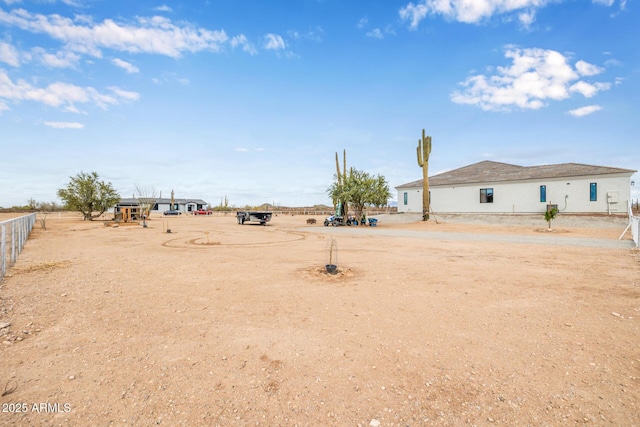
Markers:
point(252, 99)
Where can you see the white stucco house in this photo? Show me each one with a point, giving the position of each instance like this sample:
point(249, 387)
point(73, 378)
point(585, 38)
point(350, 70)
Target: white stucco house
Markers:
point(160, 205)
point(493, 187)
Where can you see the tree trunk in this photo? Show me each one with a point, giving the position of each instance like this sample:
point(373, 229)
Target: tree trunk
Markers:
point(358, 212)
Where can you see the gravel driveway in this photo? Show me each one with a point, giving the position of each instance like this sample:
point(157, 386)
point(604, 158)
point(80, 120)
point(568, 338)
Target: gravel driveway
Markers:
point(506, 220)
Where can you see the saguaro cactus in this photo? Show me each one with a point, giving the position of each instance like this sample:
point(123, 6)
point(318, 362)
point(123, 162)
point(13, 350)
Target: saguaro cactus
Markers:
point(424, 150)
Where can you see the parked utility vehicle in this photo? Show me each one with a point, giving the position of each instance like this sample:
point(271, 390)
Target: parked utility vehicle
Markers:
point(246, 216)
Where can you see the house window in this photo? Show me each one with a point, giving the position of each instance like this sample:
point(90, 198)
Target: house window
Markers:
point(486, 195)
point(406, 198)
point(593, 191)
point(543, 193)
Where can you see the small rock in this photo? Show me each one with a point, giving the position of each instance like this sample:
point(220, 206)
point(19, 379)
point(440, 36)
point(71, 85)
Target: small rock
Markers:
point(72, 377)
point(7, 342)
point(4, 325)
point(613, 313)
point(374, 423)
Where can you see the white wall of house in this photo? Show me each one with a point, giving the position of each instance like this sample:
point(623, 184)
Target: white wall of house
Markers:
point(410, 200)
point(572, 195)
point(182, 207)
point(163, 207)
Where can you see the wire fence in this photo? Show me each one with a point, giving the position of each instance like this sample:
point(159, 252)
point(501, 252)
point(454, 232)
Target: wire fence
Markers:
point(13, 235)
point(634, 225)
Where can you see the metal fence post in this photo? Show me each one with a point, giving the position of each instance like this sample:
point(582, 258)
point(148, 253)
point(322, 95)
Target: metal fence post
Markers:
point(3, 250)
point(18, 223)
point(13, 243)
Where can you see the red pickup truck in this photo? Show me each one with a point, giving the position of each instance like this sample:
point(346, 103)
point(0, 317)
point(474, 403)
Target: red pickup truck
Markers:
point(202, 212)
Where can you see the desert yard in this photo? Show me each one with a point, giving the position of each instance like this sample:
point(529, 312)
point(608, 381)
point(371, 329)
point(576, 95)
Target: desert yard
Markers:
point(426, 324)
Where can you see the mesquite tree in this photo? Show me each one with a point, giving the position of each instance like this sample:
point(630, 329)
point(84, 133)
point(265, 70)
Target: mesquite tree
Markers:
point(86, 194)
point(360, 189)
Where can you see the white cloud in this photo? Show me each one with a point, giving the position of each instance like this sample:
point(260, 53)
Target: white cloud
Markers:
point(613, 63)
point(163, 8)
point(274, 42)
point(170, 78)
point(468, 11)
point(534, 77)
point(9, 54)
point(241, 40)
point(588, 89)
point(241, 149)
point(157, 35)
point(72, 3)
point(584, 111)
point(127, 66)
point(10, 2)
point(61, 59)
point(314, 34)
point(59, 95)
point(414, 13)
point(375, 33)
point(527, 18)
point(604, 2)
point(64, 125)
point(586, 69)
point(125, 94)
point(362, 23)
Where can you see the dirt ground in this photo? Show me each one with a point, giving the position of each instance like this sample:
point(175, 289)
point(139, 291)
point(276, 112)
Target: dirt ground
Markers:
point(220, 324)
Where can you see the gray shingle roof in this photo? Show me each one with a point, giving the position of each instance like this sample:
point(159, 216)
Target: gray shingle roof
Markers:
point(133, 201)
point(488, 171)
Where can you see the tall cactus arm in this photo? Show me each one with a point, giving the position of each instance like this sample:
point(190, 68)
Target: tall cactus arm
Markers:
point(427, 148)
point(423, 151)
point(338, 168)
point(344, 163)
